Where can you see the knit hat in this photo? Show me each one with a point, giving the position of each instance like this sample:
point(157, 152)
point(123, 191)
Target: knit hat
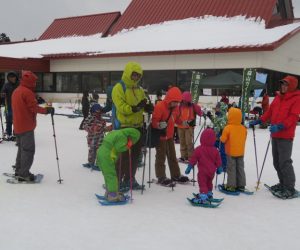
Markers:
point(96, 107)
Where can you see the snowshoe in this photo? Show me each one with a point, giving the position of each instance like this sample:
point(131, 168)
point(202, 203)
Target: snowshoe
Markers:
point(183, 160)
point(228, 190)
point(103, 200)
point(181, 179)
point(244, 190)
point(200, 203)
point(31, 179)
point(210, 198)
point(166, 182)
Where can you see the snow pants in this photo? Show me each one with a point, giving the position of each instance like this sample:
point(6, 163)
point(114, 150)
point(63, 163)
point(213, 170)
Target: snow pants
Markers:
point(283, 164)
point(186, 139)
point(166, 149)
point(108, 169)
point(205, 181)
point(9, 121)
point(235, 172)
point(25, 154)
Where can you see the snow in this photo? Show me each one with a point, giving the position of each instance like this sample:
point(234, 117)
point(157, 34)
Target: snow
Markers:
point(67, 216)
point(208, 32)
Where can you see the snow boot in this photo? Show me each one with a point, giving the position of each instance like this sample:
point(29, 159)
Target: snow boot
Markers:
point(201, 199)
point(181, 179)
point(277, 187)
point(114, 196)
point(164, 181)
point(286, 193)
point(29, 178)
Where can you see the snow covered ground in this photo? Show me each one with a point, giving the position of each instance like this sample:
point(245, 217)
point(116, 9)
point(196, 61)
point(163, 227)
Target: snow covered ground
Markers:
point(67, 216)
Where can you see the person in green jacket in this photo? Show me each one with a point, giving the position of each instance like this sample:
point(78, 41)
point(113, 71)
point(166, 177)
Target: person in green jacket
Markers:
point(129, 100)
point(114, 143)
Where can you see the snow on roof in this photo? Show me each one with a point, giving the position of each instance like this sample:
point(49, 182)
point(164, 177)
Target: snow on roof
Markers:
point(188, 34)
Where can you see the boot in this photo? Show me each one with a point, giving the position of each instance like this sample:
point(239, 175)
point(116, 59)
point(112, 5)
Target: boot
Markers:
point(115, 196)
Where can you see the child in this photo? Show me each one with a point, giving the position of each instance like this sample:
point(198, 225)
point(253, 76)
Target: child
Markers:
point(85, 107)
point(187, 112)
point(115, 142)
point(208, 160)
point(95, 126)
point(219, 122)
point(234, 136)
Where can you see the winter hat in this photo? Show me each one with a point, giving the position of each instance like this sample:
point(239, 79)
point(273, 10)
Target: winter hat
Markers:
point(96, 107)
point(28, 79)
point(292, 82)
point(186, 96)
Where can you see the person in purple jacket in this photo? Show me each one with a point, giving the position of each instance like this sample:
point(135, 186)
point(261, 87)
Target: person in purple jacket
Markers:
point(208, 160)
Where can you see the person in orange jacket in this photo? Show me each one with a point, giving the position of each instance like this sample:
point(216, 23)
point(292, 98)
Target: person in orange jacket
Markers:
point(164, 116)
point(188, 112)
point(25, 109)
point(234, 136)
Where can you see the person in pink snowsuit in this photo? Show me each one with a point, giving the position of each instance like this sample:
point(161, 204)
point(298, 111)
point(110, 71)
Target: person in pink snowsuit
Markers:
point(208, 160)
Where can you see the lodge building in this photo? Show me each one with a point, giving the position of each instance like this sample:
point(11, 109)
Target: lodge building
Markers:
point(69, 72)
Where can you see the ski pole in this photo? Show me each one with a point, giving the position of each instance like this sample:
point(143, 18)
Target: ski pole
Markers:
point(253, 130)
point(258, 182)
point(149, 181)
point(145, 154)
point(216, 183)
point(57, 160)
point(130, 172)
point(1, 122)
point(119, 171)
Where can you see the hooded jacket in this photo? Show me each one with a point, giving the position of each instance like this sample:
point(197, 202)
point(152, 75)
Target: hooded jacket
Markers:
point(285, 109)
point(132, 96)
point(234, 134)
point(24, 104)
point(206, 155)
point(188, 110)
point(162, 111)
point(8, 89)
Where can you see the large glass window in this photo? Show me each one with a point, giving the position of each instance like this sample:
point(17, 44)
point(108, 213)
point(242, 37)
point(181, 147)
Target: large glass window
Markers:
point(115, 76)
point(39, 82)
point(48, 83)
point(159, 79)
point(68, 82)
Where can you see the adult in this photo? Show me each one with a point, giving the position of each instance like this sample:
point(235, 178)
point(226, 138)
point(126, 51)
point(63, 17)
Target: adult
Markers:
point(85, 103)
point(129, 100)
point(283, 115)
point(6, 92)
point(25, 108)
point(164, 116)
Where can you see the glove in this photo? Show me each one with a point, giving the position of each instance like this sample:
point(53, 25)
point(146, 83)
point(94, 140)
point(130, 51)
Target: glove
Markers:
point(135, 109)
point(188, 169)
point(276, 128)
point(219, 170)
point(148, 108)
point(142, 103)
point(254, 122)
point(162, 125)
point(50, 110)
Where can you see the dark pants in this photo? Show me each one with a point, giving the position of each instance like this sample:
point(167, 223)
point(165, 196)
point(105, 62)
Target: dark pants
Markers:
point(235, 172)
point(282, 151)
point(25, 154)
point(166, 148)
point(9, 121)
point(124, 171)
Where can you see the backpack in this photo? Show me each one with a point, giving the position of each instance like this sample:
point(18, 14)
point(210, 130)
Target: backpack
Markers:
point(116, 124)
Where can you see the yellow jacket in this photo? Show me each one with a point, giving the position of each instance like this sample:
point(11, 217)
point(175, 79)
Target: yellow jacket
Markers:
point(234, 134)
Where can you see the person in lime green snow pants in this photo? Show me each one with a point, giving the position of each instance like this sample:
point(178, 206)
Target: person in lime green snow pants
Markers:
point(115, 142)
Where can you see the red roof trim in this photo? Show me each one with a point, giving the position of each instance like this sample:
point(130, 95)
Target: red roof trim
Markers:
point(33, 64)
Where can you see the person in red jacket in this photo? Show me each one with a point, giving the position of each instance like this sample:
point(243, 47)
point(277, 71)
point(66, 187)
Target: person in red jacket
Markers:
point(283, 115)
point(164, 116)
point(25, 108)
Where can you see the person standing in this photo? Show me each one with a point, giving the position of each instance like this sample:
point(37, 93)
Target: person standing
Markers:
point(25, 108)
point(6, 92)
point(85, 107)
point(129, 101)
point(164, 116)
point(187, 112)
point(283, 115)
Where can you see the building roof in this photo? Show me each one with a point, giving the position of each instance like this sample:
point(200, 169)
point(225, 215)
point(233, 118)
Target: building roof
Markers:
point(144, 12)
point(33, 64)
point(80, 26)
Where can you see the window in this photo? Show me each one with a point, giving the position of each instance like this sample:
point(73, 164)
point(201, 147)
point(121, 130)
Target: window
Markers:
point(39, 82)
point(154, 80)
point(48, 84)
point(115, 76)
point(68, 82)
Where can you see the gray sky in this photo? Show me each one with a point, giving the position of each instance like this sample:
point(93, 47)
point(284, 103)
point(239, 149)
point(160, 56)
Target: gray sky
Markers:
point(30, 18)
